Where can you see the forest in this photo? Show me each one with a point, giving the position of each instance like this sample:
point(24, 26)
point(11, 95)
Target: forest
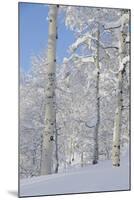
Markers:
point(76, 113)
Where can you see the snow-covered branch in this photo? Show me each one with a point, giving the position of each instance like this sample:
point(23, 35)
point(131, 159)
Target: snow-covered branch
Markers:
point(76, 57)
point(117, 24)
point(84, 39)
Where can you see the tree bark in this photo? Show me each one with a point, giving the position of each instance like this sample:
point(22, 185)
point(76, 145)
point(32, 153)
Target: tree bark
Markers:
point(82, 160)
point(96, 130)
point(118, 112)
point(117, 125)
point(50, 112)
point(56, 150)
point(71, 151)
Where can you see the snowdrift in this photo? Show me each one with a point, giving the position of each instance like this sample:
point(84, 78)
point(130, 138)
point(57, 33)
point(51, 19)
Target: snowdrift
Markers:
point(94, 178)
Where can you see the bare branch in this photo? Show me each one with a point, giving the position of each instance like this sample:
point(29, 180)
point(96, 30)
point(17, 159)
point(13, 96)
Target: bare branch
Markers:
point(111, 28)
point(110, 47)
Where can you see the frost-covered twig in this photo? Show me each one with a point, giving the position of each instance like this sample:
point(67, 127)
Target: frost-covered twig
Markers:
point(75, 57)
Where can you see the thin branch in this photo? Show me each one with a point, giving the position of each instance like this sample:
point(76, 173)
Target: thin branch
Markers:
point(111, 28)
point(110, 47)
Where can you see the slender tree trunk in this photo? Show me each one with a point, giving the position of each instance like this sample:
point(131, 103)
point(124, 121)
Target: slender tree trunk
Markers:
point(56, 150)
point(82, 159)
point(50, 114)
point(117, 125)
point(118, 112)
point(71, 151)
point(96, 130)
point(65, 161)
point(73, 154)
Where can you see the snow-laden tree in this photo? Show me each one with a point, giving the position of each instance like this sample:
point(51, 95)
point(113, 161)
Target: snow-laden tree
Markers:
point(89, 36)
point(123, 60)
point(32, 111)
point(85, 29)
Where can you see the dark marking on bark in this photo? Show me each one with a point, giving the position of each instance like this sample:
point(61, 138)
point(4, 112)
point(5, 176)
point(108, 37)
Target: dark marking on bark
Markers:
point(123, 71)
point(116, 165)
point(49, 97)
point(58, 6)
point(51, 79)
point(50, 20)
point(51, 74)
point(51, 138)
point(124, 34)
point(54, 60)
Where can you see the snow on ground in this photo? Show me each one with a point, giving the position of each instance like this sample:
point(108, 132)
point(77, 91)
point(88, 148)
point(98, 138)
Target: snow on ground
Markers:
point(93, 178)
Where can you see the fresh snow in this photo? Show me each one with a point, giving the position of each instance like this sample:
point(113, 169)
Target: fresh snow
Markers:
point(123, 19)
point(124, 61)
point(92, 178)
point(86, 38)
point(75, 57)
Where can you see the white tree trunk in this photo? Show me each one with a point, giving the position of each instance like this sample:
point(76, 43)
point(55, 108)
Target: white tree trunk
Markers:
point(56, 150)
point(96, 130)
point(71, 151)
point(117, 125)
point(50, 114)
point(82, 159)
point(118, 112)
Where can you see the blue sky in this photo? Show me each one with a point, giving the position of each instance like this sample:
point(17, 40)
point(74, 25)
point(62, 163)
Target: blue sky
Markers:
point(34, 33)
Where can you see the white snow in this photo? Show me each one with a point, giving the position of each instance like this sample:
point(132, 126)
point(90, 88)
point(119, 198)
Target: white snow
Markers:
point(87, 59)
point(123, 19)
point(75, 57)
point(84, 39)
point(78, 42)
point(113, 24)
point(124, 61)
point(92, 178)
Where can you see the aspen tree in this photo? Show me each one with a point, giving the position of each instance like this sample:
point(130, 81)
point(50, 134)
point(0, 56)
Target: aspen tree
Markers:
point(96, 130)
point(50, 112)
point(118, 112)
point(82, 159)
point(56, 149)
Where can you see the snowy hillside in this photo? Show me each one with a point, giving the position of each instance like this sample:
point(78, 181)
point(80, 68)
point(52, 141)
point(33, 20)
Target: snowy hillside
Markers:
point(101, 177)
